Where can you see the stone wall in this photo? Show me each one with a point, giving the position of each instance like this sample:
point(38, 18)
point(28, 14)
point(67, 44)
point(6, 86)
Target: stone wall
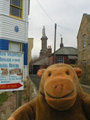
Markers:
point(86, 88)
point(84, 51)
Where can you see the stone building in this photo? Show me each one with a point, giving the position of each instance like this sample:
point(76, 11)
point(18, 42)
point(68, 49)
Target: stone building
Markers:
point(83, 43)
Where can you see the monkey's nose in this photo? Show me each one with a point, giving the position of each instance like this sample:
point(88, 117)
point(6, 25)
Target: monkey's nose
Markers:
point(58, 87)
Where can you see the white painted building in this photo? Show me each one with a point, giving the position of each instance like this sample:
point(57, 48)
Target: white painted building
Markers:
point(14, 26)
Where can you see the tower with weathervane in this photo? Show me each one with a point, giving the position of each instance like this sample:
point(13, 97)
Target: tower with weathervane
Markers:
point(14, 26)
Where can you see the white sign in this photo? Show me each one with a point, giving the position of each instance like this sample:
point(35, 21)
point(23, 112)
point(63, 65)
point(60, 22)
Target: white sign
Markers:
point(11, 71)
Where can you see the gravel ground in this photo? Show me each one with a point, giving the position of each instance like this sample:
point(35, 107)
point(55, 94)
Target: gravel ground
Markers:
point(9, 106)
point(10, 102)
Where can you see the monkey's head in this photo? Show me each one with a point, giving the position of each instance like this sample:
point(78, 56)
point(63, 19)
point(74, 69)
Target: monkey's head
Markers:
point(60, 85)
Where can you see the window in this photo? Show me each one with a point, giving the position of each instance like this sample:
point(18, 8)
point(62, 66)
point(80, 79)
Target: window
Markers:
point(84, 40)
point(84, 62)
point(16, 47)
point(16, 8)
point(60, 59)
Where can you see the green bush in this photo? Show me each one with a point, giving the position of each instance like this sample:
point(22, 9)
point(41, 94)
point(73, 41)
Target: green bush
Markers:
point(3, 98)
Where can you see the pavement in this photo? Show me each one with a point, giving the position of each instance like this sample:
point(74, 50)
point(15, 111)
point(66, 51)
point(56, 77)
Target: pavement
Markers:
point(35, 80)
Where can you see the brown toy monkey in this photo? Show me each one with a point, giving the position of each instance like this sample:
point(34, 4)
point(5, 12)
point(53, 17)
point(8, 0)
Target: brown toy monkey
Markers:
point(60, 97)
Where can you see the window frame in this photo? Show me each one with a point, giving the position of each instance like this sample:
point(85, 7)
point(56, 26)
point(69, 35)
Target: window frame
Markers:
point(60, 59)
point(20, 46)
point(84, 62)
point(20, 8)
point(84, 40)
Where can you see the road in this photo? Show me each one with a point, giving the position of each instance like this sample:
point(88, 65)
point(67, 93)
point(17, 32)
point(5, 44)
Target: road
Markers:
point(35, 79)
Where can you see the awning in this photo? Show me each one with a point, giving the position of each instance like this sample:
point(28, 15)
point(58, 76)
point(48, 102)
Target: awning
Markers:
point(72, 57)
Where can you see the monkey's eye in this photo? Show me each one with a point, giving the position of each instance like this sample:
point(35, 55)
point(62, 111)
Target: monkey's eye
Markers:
point(67, 73)
point(49, 74)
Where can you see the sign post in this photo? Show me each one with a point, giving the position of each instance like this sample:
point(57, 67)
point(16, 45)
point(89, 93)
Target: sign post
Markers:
point(18, 99)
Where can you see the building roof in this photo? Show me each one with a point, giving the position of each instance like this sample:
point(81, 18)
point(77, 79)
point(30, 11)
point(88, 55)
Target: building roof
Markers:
point(84, 17)
point(66, 51)
point(43, 61)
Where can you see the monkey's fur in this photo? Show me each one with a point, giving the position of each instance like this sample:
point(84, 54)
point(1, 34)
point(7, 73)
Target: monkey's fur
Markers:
point(60, 97)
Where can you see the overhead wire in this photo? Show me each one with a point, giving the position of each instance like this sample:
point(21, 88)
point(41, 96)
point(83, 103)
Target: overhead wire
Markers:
point(45, 11)
point(59, 26)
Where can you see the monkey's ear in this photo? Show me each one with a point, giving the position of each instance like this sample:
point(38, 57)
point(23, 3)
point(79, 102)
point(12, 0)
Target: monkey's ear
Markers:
point(78, 72)
point(40, 72)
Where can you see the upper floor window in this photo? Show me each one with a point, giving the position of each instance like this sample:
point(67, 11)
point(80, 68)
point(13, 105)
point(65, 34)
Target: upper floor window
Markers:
point(60, 59)
point(16, 8)
point(84, 40)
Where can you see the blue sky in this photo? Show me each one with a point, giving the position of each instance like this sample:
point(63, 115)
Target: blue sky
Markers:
point(66, 13)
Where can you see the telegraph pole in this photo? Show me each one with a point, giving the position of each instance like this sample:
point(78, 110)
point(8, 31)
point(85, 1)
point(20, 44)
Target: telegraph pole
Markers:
point(55, 42)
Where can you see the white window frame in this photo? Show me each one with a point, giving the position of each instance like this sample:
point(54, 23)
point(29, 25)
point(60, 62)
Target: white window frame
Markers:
point(84, 41)
point(60, 59)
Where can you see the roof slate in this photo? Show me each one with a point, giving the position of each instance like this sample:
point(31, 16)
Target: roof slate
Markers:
point(66, 51)
point(42, 61)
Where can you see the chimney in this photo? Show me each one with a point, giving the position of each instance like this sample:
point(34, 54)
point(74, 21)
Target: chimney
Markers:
point(49, 51)
point(61, 44)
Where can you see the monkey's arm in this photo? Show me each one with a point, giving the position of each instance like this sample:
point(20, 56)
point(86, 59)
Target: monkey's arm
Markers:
point(25, 112)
